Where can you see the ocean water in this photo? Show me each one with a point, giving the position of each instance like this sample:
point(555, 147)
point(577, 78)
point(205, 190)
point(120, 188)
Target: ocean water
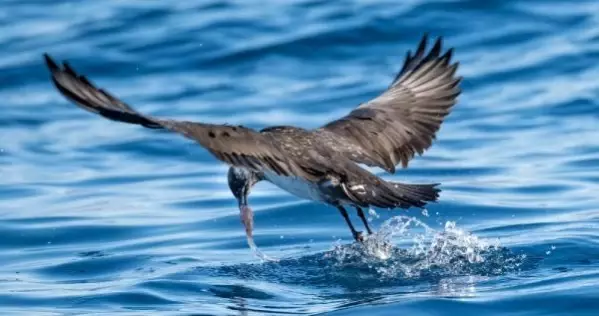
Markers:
point(98, 217)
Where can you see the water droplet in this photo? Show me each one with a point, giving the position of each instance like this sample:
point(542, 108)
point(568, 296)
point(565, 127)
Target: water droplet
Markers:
point(450, 250)
point(372, 214)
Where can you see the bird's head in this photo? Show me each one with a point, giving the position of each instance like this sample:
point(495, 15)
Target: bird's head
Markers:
point(241, 181)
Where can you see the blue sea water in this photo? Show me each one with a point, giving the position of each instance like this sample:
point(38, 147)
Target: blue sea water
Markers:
point(97, 217)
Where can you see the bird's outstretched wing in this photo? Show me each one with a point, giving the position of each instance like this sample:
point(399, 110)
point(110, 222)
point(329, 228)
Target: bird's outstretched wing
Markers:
point(234, 145)
point(404, 119)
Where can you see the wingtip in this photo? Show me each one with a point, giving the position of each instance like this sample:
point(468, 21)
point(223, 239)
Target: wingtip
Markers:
point(422, 45)
point(68, 69)
point(52, 65)
point(447, 56)
point(437, 47)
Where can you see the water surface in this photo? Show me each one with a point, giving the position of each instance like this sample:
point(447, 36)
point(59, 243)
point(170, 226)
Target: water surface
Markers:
point(100, 217)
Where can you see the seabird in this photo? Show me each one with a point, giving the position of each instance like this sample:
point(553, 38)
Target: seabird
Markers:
point(321, 164)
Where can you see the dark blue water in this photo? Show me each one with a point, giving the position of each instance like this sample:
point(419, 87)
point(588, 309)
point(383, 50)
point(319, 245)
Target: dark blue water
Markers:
point(99, 217)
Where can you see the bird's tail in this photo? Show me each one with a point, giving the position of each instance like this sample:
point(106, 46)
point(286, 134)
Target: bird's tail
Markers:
point(386, 194)
point(417, 195)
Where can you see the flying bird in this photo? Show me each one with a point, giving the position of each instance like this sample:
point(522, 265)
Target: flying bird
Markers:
point(321, 164)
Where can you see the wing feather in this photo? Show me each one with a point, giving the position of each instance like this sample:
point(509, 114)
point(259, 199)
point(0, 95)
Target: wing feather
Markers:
point(234, 145)
point(402, 121)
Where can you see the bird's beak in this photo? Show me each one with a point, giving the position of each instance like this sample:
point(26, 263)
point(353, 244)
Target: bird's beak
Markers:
point(243, 199)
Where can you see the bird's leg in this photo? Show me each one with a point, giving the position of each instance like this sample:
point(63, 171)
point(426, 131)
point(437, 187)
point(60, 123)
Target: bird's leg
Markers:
point(361, 214)
point(357, 235)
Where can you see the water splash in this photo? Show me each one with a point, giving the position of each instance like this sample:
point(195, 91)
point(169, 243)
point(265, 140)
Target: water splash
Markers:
point(405, 253)
point(449, 252)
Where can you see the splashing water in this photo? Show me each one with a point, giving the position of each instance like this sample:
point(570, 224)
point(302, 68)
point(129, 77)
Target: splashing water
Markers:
point(449, 252)
point(372, 214)
point(449, 262)
point(432, 253)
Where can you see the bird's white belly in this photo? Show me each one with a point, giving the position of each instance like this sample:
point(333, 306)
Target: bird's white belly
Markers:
point(296, 186)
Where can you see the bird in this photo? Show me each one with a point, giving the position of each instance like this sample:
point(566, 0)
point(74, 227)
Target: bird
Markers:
point(327, 164)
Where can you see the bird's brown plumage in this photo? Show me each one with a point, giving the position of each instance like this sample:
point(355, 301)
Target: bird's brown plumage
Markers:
point(403, 120)
point(236, 145)
point(382, 132)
